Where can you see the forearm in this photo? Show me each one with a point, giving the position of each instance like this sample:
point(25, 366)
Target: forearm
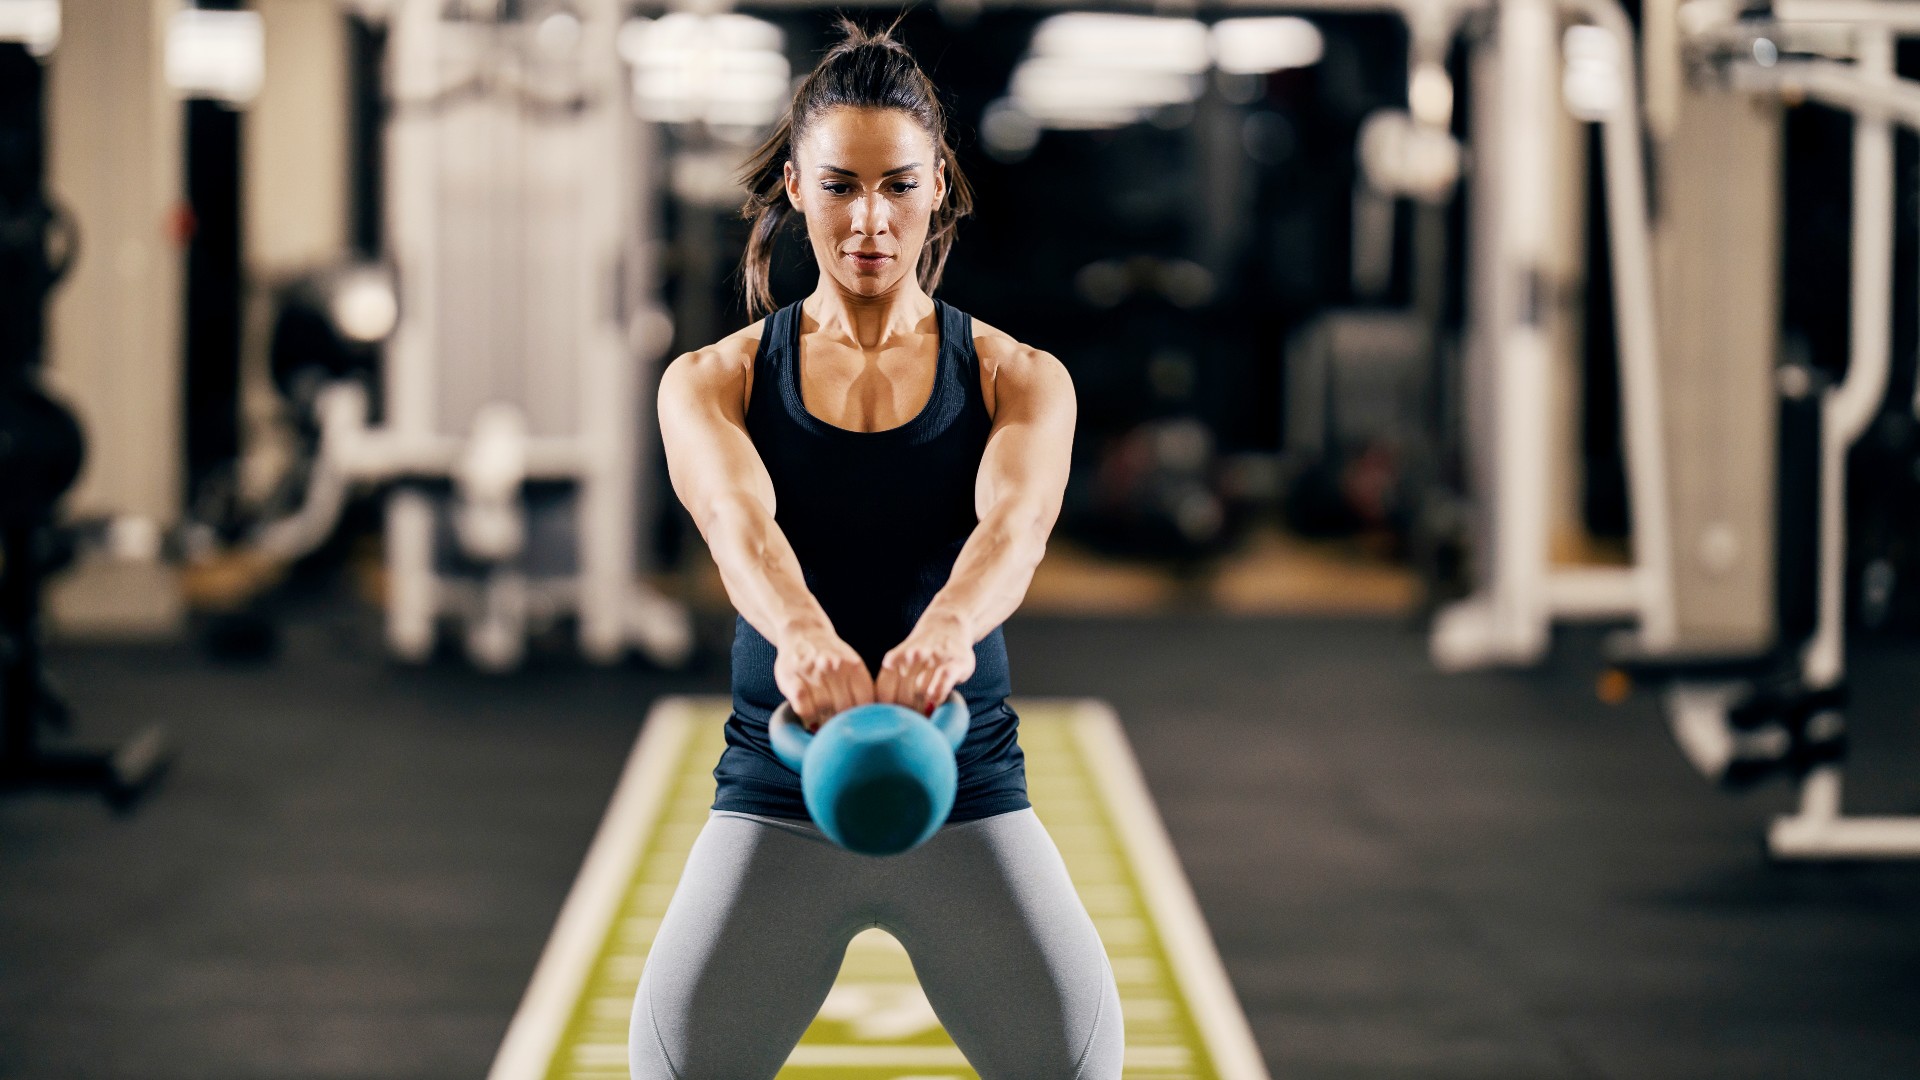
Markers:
point(759, 570)
point(991, 576)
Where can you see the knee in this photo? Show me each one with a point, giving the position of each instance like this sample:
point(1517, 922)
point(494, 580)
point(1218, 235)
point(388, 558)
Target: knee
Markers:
point(671, 1038)
point(1106, 1045)
point(646, 1054)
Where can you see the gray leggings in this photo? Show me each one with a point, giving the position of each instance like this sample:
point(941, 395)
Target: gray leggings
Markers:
point(757, 928)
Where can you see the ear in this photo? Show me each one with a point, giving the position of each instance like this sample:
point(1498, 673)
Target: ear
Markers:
point(939, 182)
point(790, 177)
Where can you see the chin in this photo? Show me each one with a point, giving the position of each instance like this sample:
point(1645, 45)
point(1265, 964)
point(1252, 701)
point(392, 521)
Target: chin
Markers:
point(870, 286)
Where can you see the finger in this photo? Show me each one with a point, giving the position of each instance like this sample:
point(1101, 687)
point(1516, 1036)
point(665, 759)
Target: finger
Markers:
point(802, 709)
point(863, 688)
point(846, 687)
point(903, 692)
point(887, 686)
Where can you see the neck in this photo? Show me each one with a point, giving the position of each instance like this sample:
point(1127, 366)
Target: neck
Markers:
point(867, 321)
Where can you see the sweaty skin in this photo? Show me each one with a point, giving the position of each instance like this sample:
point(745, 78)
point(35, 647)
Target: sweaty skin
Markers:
point(867, 181)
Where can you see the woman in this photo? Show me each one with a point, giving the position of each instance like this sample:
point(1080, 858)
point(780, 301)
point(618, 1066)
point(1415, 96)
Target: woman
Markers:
point(875, 474)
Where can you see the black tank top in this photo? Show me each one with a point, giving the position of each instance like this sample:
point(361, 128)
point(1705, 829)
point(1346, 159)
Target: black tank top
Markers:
point(877, 520)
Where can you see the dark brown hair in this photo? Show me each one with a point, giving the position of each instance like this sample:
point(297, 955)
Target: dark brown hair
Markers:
point(865, 70)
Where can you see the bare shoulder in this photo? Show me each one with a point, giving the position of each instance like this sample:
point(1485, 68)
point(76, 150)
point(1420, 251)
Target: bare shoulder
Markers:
point(1005, 360)
point(731, 354)
point(725, 365)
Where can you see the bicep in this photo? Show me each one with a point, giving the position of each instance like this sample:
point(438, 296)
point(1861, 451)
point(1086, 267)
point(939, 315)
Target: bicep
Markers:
point(1031, 446)
point(711, 461)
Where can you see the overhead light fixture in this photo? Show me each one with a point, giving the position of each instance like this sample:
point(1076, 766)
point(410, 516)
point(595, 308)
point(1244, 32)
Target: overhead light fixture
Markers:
point(1132, 42)
point(1086, 71)
point(727, 70)
point(1092, 70)
point(1257, 45)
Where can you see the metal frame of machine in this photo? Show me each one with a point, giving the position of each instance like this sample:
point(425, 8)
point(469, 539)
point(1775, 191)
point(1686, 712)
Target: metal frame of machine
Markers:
point(519, 199)
point(1700, 707)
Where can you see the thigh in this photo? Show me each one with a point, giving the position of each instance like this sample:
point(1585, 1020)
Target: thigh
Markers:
point(745, 954)
point(1006, 952)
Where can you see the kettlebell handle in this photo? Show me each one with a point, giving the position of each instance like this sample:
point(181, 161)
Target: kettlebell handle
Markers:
point(790, 740)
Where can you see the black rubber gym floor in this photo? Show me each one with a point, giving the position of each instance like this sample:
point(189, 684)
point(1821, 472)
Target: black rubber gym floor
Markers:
point(354, 865)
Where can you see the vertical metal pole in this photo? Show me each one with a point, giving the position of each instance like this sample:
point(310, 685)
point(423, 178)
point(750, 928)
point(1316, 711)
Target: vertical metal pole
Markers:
point(1629, 236)
point(1523, 354)
point(1848, 409)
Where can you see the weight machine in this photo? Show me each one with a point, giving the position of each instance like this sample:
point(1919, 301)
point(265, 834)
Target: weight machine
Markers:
point(1505, 351)
point(520, 340)
point(1739, 718)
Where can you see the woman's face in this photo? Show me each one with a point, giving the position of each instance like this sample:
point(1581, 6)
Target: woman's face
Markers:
point(867, 181)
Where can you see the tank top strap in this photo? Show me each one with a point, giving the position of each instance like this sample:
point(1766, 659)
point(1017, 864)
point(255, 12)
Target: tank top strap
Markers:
point(770, 365)
point(959, 360)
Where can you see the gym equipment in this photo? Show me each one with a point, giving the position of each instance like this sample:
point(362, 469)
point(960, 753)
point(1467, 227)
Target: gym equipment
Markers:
point(41, 452)
point(878, 779)
point(1358, 393)
point(1781, 711)
point(1518, 594)
point(1503, 396)
point(516, 384)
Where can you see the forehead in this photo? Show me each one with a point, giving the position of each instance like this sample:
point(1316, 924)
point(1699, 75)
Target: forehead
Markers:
point(864, 140)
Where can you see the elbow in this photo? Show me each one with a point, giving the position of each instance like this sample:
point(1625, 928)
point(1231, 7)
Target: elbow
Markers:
point(1025, 526)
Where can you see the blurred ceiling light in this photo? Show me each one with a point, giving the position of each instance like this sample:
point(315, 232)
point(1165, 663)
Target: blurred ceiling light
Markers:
point(1257, 45)
point(216, 54)
point(1074, 94)
point(1146, 42)
point(729, 71)
point(1087, 70)
point(33, 23)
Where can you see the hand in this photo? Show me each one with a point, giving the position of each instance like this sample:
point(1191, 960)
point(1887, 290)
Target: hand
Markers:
point(920, 672)
point(820, 675)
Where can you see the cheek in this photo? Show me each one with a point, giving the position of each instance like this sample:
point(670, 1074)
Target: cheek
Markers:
point(826, 218)
point(917, 214)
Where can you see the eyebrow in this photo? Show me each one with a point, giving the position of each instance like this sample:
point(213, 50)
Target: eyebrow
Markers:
point(908, 167)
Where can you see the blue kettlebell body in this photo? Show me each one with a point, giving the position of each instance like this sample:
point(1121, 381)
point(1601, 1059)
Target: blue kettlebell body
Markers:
point(877, 779)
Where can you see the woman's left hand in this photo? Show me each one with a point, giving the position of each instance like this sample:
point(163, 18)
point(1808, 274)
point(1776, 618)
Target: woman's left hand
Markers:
point(920, 672)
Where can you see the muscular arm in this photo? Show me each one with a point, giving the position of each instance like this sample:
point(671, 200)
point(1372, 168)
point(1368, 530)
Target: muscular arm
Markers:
point(724, 485)
point(1022, 477)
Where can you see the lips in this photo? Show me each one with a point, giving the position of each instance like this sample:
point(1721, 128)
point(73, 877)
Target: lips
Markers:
point(862, 258)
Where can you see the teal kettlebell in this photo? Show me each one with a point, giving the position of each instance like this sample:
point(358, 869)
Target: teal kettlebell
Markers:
point(878, 779)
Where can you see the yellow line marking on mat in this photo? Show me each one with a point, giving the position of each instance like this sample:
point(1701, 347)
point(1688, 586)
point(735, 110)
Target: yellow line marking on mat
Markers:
point(1183, 1020)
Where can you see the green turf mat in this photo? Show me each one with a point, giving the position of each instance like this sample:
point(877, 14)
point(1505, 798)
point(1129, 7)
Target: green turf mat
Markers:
point(876, 1024)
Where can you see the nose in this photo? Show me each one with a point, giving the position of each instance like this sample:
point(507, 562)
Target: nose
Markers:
point(870, 215)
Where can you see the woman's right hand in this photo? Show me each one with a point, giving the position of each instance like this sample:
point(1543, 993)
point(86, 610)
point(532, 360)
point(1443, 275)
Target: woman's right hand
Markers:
point(820, 675)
